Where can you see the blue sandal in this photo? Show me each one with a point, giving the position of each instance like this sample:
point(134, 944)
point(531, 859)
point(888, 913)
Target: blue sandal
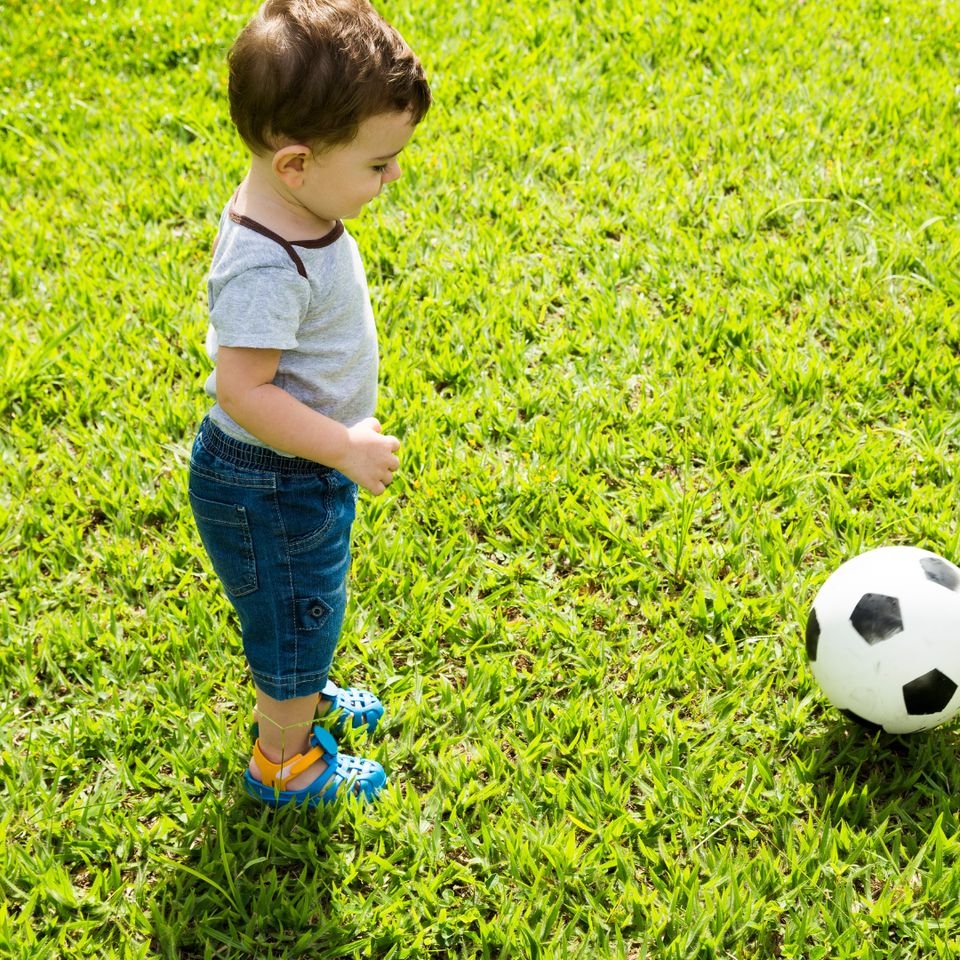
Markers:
point(344, 776)
point(360, 707)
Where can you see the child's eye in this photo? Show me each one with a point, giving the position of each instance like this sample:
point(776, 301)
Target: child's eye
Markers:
point(380, 168)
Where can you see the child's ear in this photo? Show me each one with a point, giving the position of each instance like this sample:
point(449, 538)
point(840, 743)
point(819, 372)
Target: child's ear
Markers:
point(289, 163)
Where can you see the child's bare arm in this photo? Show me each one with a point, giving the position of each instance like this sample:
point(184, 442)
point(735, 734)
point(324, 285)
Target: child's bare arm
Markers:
point(246, 392)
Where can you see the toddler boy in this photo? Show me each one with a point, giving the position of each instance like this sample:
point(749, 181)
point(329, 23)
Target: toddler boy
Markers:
point(325, 95)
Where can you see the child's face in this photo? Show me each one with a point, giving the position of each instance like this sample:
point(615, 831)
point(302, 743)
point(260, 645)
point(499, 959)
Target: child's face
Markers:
point(339, 181)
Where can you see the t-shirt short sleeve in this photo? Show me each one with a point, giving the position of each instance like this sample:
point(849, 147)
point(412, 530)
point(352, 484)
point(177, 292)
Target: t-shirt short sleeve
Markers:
point(260, 307)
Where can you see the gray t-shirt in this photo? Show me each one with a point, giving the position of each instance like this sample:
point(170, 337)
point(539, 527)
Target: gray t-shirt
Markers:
point(309, 300)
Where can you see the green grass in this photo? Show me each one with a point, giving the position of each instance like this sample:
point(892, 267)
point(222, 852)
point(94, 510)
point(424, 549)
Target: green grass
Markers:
point(668, 307)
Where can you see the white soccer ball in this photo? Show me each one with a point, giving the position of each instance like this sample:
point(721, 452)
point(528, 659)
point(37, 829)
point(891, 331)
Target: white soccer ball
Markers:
point(883, 639)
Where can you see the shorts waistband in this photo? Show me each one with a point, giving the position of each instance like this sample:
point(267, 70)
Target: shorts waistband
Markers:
point(249, 457)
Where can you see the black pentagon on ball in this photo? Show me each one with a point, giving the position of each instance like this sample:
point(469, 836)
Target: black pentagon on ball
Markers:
point(939, 571)
point(876, 617)
point(813, 635)
point(928, 694)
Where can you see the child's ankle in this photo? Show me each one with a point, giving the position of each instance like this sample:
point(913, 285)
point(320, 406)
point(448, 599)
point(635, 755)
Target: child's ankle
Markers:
point(291, 747)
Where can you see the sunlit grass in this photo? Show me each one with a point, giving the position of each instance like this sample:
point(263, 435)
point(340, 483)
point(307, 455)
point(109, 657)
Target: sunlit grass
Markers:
point(667, 301)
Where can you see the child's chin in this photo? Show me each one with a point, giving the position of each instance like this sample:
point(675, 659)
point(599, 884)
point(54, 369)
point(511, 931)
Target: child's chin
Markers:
point(364, 205)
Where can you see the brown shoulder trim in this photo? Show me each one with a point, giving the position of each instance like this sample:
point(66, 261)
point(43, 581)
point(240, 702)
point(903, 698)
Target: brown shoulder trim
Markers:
point(270, 235)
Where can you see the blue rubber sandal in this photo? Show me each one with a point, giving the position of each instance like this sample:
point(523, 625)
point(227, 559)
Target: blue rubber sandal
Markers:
point(344, 776)
point(359, 708)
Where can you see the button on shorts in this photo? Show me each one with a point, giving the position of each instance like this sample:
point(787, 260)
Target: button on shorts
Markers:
point(277, 531)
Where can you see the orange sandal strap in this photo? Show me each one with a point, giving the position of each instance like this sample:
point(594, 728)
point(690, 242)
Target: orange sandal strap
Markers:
point(278, 774)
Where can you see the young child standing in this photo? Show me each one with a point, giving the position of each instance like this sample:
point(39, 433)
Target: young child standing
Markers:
point(325, 94)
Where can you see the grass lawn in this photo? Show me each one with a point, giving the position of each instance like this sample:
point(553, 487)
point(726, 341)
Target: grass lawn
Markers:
point(669, 328)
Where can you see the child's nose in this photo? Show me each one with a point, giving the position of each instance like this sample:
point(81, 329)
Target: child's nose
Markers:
point(392, 172)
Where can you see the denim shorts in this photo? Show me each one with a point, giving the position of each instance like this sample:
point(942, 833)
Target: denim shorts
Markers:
point(277, 531)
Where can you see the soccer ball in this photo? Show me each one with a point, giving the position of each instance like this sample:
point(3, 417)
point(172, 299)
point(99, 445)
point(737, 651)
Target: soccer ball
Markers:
point(883, 639)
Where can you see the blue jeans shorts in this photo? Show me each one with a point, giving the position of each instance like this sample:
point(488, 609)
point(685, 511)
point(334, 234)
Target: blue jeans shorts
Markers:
point(277, 531)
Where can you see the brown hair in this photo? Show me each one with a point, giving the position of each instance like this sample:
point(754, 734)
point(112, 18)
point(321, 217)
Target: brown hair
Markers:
point(311, 71)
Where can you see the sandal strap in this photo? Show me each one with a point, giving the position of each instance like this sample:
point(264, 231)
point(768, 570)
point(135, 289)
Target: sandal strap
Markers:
point(324, 740)
point(279, 774)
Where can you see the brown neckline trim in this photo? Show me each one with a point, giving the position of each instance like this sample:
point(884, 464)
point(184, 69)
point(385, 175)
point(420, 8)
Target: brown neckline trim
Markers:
point(335, 234)
point(287, 245)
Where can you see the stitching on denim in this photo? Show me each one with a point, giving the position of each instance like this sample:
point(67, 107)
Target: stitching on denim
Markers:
point(250, 483)
point(284, 682)
point(282, 527)
point(300, 545)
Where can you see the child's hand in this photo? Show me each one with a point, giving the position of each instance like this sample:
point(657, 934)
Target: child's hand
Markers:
point(369, 459)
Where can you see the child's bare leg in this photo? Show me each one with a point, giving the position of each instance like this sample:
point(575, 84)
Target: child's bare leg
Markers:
point(284, 732)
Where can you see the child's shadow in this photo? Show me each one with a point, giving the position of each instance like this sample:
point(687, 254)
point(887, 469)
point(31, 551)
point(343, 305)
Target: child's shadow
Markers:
point(867, 779)
point(252, 881)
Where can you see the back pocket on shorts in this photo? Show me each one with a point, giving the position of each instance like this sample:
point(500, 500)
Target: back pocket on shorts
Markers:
point(225, 532)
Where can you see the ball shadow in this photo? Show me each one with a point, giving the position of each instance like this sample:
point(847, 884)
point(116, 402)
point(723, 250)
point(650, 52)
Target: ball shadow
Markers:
point(866, 778)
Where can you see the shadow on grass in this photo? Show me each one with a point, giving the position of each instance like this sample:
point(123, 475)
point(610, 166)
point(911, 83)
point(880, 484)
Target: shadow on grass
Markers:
point(252, 881)
point(867, 779)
